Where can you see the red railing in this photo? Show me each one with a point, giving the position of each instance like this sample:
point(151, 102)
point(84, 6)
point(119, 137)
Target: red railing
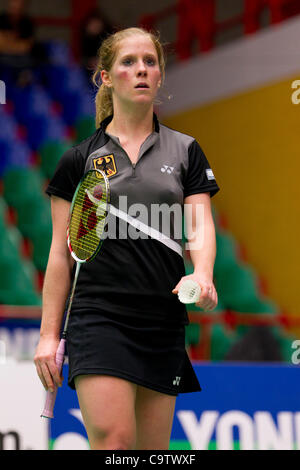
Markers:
point(196, 21)
point(200, 351)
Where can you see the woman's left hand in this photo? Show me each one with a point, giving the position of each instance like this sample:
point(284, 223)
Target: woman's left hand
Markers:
point(208, 298)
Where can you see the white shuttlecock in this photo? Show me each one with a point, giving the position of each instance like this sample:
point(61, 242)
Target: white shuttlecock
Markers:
point(189, 292)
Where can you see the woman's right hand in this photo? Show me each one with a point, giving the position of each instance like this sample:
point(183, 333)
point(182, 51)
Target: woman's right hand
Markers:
point(44, 360)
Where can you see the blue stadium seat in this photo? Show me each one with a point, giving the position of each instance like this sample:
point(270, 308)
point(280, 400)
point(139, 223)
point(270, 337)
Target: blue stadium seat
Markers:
point(29, 102)
point(56, 80)
point(19, 154)
point(43, 128)
point(8, 128)
point(77, 105)
point(58, 52)
point(65, 78)
point(4, 151)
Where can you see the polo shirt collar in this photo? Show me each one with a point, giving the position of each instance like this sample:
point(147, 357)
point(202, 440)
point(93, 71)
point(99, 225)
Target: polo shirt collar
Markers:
point(108, 119)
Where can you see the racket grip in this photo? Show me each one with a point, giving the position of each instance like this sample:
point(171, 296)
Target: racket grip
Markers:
point(51, 396)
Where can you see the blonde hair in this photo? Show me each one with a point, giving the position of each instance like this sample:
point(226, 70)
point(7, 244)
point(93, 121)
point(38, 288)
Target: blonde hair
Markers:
point(107, 55)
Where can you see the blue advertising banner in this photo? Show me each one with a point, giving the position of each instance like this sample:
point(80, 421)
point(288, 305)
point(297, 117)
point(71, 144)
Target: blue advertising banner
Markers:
point(247, 406)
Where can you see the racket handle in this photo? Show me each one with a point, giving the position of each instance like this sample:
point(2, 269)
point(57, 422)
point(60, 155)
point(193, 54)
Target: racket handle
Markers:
point(51, 396)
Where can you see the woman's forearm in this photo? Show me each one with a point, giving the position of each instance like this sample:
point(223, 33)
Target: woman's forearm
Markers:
point(203, 248)
point(55, 292)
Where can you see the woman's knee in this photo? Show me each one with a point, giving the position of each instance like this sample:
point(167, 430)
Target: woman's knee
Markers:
point(113, 438)
point(109, 417)
point(121, 439)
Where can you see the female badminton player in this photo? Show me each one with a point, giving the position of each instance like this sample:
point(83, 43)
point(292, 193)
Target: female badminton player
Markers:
point(126, 333)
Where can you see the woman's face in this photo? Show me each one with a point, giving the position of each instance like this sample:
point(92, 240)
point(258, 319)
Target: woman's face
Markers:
point(136, 63)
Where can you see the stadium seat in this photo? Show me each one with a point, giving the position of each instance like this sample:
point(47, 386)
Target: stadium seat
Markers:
point(215, 216)
point(34, 217)
point(77, 105)
point(84, 128)
point(19, 154)
point(237, 288)
point(43, 128)
point(30, 101)
point(16, 274)
point(33, 109)
point(226, 255)
point(4, 152)
point(8, 128)
point(63, 78)
point(9, 249)
point(41, 241)
point(50, 153)
point(58, 52)
point(192, 334)
point(22, 185)
point(3, 209)
point(14, 152)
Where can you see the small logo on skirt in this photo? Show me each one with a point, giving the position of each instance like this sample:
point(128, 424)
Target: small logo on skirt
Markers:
point(176, 381)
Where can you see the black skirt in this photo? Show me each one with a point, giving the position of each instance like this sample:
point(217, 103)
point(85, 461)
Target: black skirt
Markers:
point(138, 350)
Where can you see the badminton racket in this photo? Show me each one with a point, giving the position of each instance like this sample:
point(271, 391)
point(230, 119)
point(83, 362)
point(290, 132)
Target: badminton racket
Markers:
point(88, 214)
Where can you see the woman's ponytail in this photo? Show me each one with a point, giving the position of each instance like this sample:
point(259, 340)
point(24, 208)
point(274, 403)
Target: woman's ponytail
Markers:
point(104, 105)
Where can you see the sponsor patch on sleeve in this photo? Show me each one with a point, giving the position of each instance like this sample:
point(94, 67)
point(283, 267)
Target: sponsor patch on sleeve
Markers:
point(210, 175)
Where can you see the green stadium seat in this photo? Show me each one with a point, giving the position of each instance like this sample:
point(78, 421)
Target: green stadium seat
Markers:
point(286, 347)
point(9, 250)
point(189, 269)
point(215, 216)
point(41, 246)
point(237, 288)
point(3, 209)
point(14, 236)
point(192, 334)
point(84, 128)
point(17, 275)
point(22, 186)
point(19, 297)
point(33, 217)
point(226, 255)
point(50, 153)
point(14, 275)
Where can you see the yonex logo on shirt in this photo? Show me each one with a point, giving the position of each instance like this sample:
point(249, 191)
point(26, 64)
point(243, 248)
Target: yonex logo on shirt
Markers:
point(176, 381)
point(168, 169)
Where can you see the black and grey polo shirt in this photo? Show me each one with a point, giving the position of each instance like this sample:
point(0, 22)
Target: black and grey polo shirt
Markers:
point(141, 259)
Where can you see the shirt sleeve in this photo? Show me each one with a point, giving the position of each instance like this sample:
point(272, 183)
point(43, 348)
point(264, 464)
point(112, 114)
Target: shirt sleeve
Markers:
point(67, 175)
point(199, 177)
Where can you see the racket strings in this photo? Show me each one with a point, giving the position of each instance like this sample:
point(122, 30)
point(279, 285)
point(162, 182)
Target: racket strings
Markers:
point(88, 216)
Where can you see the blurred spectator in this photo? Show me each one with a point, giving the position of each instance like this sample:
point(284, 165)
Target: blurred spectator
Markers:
point(95, 29)
point(18, 47)
point(16, 29)
point(258, 344)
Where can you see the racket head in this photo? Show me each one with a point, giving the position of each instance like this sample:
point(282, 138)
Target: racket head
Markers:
point(88, 216)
